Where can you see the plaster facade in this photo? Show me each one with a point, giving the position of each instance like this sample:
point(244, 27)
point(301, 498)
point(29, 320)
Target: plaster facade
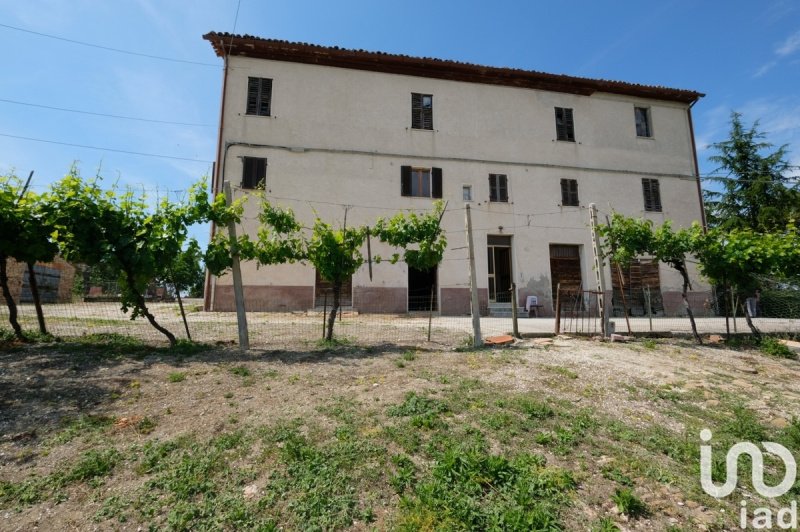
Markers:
point(336, 139)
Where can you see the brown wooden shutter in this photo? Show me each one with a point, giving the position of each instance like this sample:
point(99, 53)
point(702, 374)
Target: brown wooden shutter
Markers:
point(265, 97)
point(252, 96)
point(492, 187)
point(436, 182)
point(652, 195)
point(416, 111)
point(502, 187)
point(569, 124)
point(405, 180)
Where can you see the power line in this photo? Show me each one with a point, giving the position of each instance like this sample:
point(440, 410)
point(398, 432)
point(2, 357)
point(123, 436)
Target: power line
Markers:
point(109, 48)
point(105, 114)
point(142, 154)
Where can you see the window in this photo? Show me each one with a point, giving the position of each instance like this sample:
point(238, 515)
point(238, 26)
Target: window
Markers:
point(565, 126)
point(569, 192)
point(421, 182)
point(642, 122)
point(259, 96)
point(421, 111)
point(466, 192)
point(498, 188)
point(254, 172)
point(652, 195)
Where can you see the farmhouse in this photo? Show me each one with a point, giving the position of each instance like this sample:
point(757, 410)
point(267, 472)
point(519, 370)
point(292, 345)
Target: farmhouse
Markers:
point(352, 135)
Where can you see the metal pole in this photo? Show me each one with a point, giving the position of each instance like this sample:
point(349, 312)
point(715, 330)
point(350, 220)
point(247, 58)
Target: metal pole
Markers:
point(558, 309)
point(649, 306)
point(514, 324)
point(477, 341)
point(430, 311)
point(238, 291)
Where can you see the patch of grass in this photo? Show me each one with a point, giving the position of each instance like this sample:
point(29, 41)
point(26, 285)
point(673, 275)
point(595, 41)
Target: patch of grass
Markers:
point(82, 426)
point(470, 489)
point(7, 336)
point(145, 426)
point(535, 409)
point(241, 371)
point(649, 343)
point(92, 465)
point(615, 474)
point(177, 376)
point(564, 372)
point(423, 411)
point(409, 356)
point(629, 504)
point(772, 347)
point(745, 425)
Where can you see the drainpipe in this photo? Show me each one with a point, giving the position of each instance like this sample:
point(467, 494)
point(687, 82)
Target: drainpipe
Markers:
point(215, 182)
point(697, 168)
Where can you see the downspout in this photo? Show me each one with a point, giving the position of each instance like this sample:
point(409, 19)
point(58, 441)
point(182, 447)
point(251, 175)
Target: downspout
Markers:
point(697, 168)
point(208, 293)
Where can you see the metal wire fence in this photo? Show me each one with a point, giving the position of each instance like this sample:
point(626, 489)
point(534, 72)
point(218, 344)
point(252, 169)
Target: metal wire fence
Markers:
point(75, 308)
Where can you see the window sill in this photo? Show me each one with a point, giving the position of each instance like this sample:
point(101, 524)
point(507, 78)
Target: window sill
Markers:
point(419, 129)
point(645, 138)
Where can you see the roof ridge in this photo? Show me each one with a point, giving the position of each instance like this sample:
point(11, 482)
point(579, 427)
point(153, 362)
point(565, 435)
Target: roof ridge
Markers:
point(225, 43)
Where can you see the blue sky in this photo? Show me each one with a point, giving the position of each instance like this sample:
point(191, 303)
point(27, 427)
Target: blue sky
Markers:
point(744, 55)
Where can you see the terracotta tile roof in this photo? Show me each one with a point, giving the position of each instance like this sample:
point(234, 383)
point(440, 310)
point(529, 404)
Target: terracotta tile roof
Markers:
point(297, 52)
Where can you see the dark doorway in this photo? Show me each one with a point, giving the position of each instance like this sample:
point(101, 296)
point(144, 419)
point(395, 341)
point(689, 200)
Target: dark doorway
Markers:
point(422, 289)
point(499, 266)
point(323, 289)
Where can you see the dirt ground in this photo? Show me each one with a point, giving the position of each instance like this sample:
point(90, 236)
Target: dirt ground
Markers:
point(644, 386)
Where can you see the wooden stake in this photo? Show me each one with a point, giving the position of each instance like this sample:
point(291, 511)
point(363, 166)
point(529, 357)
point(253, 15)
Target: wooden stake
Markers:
point(477, 341)
point(238, 291)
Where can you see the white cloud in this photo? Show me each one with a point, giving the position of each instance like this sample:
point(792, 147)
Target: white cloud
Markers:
point(789, 46)
point(764, 69)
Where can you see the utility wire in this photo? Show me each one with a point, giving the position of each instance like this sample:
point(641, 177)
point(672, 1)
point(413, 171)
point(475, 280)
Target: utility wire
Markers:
point(109, 48)
point(142, 154)
point(104, 114)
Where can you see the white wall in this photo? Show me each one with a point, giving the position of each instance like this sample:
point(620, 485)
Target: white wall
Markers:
point(363, 119)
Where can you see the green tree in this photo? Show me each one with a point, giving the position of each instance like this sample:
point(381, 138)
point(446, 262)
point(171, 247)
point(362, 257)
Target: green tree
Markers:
point(630, 238)
point(757, 191)
point(740, 256)
point(25, 238)
point(120, 230)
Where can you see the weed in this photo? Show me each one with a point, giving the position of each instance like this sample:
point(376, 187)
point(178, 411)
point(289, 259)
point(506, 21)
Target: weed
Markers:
point(606, 524)
point(416, 405)
point(772, 347)
point(629, 504)
point(409, 356)
point(399, 363)
point(177, 376)
point(228, 395)
point(271, 373)
point(406, 474)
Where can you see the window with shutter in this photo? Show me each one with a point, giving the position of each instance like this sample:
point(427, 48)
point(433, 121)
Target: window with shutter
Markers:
point(254, 172)
point(565, 126)
point(642, 122)
point(652, 195)
point(569, 193)
point(498, 188)
point(259, 96)
point(421, 182)
point(421, 111)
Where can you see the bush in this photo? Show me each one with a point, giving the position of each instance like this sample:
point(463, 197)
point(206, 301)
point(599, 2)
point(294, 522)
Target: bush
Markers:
point(773, 348)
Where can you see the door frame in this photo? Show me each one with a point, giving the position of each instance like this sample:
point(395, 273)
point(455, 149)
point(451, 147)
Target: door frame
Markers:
point(491, 264)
